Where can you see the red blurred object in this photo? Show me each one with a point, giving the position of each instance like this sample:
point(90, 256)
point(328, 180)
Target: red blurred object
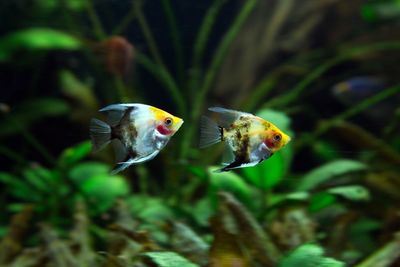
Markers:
point(117, 54)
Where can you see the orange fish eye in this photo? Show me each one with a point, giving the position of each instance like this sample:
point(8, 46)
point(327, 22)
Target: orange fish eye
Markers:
point(277, 137)
point(168, 121)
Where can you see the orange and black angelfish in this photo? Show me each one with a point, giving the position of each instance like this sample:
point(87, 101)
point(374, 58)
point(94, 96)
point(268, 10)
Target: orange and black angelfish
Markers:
point(249, 139)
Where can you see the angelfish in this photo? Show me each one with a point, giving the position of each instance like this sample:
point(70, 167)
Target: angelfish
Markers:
point(137, 132)
point(248, 139)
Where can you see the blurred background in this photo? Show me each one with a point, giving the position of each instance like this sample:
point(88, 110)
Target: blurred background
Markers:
point(325, 72)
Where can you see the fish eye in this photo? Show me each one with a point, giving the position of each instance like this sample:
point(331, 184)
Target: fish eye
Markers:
point(277, 137)
point(168, 121)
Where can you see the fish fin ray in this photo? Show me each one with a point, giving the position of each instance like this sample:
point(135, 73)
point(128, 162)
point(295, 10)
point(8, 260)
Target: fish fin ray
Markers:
point(116, 112)
point(210, 132)
point(118, 107)
point(100, 133)
point(227, 116)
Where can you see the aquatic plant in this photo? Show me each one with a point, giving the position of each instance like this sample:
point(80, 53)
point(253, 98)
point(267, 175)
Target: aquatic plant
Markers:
point(328, 199)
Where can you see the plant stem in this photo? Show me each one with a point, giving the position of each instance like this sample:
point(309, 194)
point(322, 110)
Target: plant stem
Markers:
point(212, 72)
point(258, 94)
point(34, 142)
point(147, 32)
point(162, 74)
point(286, 99)
point(363, 105)
point(121, 89)
point(204, 32)
point(121, 27)
point(98, 29)
point(176, 39)
point(6, 152)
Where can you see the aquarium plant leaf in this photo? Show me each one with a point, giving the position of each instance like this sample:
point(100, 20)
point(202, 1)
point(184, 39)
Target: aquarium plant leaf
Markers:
point(77, 90)
point(385, 256)
point(169, 259)
point(188, 243)
point(229, 182)
point(34, 39)
point(40, 178)
point(18, 188)
point(30, 111)
point(270, 172)
point(237, 233)
point(11, 244)
point(58, 250)
point(94, 181)
point(80, 236)
point(329, 171)
point(149, 209)
point(351, 192)
point(320, 201)
point(104, 190)
point(309, 255)
point(225, 250)
point(85, 170)
point(75, 153)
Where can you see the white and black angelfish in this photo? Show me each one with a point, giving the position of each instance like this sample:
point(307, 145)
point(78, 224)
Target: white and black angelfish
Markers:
point(137, 132)
point(249, 139)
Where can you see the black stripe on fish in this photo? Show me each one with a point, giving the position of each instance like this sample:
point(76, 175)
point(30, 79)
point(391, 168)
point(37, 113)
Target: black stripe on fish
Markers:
point(242, 152)
point(126, 124)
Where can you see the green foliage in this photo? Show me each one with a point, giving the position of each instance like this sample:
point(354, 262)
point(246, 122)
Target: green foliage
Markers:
point(75, 154)
point(351, 192)
point(270, 172)
point(93, 179)
point(169, 259)
point(29, 112)
point(36, 39)
point(229, 182)
point(309, 255)
point(149, 209)
point(320, 201)
point(329, 171)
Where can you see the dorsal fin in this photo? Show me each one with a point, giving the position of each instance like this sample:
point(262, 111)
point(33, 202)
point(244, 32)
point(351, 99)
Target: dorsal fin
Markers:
point(116, 112)
point(227, 116)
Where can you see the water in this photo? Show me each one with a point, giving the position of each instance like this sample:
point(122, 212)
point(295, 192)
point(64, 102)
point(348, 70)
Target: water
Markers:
point(324, 72)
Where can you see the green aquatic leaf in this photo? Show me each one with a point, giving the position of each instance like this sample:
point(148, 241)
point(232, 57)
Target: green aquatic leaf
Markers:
point(40, 178)
point(76, 153)
point(18, 188)
point(309, 255)
point(104, 190)
point(29, 112)
point(270, 172)
point(34, 39)
point(169, 259)
point(77, 90)
point(229, 182)
point(95, 181)
point(328, 171)
point(351, 192)
point(85, 170)
point(149, 209)
point(320, 201)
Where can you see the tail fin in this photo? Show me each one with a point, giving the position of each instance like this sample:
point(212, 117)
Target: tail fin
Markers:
point(100, 133)
point(210, 132)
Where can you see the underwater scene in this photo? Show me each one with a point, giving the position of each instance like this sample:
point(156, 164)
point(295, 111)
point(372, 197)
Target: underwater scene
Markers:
point(212, 133)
